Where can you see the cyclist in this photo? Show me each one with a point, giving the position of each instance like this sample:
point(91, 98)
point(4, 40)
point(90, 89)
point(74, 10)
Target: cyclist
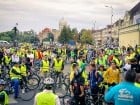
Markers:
point(77, 87)
point(3, 95)
point(47, 97)
point(125, 93)
point(112, 75)
point(45, 65)
point(7, 61)
point(15, 75)
point(58, 66)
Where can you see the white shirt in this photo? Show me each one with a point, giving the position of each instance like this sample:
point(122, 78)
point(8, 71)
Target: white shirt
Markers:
point(127, 66)
point(31, 56)
point(46, 91)
point(15, 58)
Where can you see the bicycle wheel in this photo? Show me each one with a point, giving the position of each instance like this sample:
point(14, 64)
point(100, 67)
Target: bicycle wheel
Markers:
point(32, 83)
point(89, 102)
point(27, 95)
point(67, 100)
point(61, 88)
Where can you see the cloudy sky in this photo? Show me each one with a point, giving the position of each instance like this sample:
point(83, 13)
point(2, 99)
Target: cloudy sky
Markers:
point(38, 14)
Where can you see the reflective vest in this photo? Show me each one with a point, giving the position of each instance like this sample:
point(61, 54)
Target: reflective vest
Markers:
point(137, 85)
point(7, 59)
point(23, 70)
point(118, 62)
point(101, 61)
point(58, 65)
point(85, 76)
point(80, 63)
point(45, 66)
point(44, 98)
point(14, 76)
point(6, 101)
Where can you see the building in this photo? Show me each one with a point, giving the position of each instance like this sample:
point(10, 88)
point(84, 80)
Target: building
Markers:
point(43, 34)
point(56, 34)
point(124, 32)
point(62, 23)
point(129, 32)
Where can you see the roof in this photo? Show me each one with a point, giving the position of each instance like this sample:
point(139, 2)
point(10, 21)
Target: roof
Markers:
point(135, 9)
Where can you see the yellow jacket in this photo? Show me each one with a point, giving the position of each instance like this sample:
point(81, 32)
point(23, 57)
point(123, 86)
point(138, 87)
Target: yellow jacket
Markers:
point(112, 76)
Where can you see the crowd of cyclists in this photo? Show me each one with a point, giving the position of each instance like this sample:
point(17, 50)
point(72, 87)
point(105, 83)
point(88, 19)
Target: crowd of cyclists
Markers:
point(91, 70)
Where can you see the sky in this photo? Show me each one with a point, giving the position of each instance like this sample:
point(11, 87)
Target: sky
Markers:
point(39, 14)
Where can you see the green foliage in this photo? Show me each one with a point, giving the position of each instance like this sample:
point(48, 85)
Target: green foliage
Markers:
point(65, 35)
point(86, 36)
point(21, 37)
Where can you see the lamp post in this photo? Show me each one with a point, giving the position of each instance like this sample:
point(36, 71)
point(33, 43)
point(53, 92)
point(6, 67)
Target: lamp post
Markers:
point(94, 24)
point(111, 13)
point(111, 19)
point(15, 35)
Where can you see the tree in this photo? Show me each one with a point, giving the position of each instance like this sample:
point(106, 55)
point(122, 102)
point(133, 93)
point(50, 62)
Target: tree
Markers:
point(86, 36)
point(65, 35)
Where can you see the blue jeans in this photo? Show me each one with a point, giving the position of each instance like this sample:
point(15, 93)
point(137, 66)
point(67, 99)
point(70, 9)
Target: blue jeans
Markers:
point(15, 84)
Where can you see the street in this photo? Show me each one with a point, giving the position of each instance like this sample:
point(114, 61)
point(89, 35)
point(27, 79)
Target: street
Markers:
point(20, 102)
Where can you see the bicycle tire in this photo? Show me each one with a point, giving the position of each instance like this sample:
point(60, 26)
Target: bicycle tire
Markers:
point(32, 83)
point(28, 95)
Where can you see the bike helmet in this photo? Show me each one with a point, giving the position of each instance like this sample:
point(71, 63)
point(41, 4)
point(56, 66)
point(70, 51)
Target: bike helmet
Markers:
point(2, 82)
point(48, 81)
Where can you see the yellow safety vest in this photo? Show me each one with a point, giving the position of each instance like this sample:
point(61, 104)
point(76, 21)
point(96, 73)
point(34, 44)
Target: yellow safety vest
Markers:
point(85, 76)
point(80, 63)
point(118, 62)
point(7, 59)
point(6, 101)
point(23, 70)
point(137, 84)
point(58, 65)
point(44, 98)
point(45, 66)
point(14, 76)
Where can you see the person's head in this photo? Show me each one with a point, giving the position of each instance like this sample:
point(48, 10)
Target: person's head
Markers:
point(2, 83)
point(58, 57)
point(133, 61)
point(138, 78)
point(92, 66)
point(130, 76)
point(113, 65)
point(49, 82)
point(101, 68)
point(16, 64)
point(45, 58)
point(74, 66)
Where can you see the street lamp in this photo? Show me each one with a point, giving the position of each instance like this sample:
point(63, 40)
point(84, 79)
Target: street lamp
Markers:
point(110, 39)
point(94, 23)
point(111, 12)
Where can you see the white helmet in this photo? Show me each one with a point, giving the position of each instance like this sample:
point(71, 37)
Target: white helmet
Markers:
point(48, 81)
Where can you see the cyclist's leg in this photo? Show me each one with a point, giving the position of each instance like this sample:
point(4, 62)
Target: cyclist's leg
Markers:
point(16, 83)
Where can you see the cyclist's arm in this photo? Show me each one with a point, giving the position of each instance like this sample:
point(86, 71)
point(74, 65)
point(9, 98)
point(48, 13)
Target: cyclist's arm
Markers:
point(15, 72)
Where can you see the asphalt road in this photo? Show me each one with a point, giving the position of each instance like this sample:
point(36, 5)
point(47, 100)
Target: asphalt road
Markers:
point(20, 102)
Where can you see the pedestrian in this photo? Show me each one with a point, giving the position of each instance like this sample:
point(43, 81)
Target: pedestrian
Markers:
point(125, 93)
point(47, 97)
